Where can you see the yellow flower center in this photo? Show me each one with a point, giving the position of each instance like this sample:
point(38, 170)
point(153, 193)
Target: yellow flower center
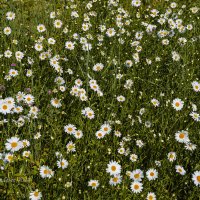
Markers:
point(136, 187)
point(113, 168)
point(5, 107)
point(137, 175)
point(151, 174)
point(93, 184)
point(36, 194)
point(14, 144)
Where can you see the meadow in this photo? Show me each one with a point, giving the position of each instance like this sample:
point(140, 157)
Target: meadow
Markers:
point(99, 99)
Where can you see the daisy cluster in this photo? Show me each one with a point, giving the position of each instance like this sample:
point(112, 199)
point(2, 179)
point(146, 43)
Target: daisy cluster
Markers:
point(100, 99)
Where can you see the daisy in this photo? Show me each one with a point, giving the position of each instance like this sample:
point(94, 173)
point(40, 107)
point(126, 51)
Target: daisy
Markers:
point(10, 15)
point(46, 172)
point(35, 195)
point(117, 179)
point(180, 170)
point(29, 73)
point(137, 175)
point(121, 150)
point(69, 45)
point(26, 154)
point(62, 163)
point(62, 88)
point(78, 82)
point(13, 72)
point(190, 146)
point(151, 196)
point(57, 23)
point(139, 143)
point(100, 134)
point(90, 113)
point(25, 143)
point(29, 99)
point(20, 96)
point(7, 53)
point(5, 108)
point(121, 98)
point(9, 157)
point(155, 102)
point(98, 67)
point(152, 174)
point(133, 157)
point(93, 183)
point(56, 103)
point(171, 156)
point(13, 144)
point(19, 55)
point(18, 109)
point(196, 86)
point(51, 41)
point(175, 56)
point(117, 133)
point(71, 147)
point(38, 47)
point(182, 136)
point(10, 101)
point(94, 87)
point(33, 110)
point(70, 129)
point(78, 134)
point(110, 32)
point(113, 168)
point(87, 47)
point(136, 187)
point(7, 30)
point(136, 3)
point(177, 104)
point(195, 116)
point(106, 128)
point(196, 178)
point(41, 28)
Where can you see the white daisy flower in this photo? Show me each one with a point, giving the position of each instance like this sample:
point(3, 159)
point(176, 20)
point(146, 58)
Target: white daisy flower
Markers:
point(177, 104)
point(70, 129)
point(93, 183)
point(196, 178)
point(13, 144)
point(180, 170)
point(113, 168)
point(182, 136)
point(136, 187)
point(62, 163)
point(196, 86)
point(151, 196)
point(46, 172)
point(117, 179)
point(35, 195)
point(152, 174)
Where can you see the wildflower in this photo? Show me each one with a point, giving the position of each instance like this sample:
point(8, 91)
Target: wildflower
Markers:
point(196, 178)
point(113, 168)
point(177, 104)
point(136, 187)
point(35, 195)
point(182, 136)
point(94, 184)
point(180, 170)
point(13, 144)
point(152, 174)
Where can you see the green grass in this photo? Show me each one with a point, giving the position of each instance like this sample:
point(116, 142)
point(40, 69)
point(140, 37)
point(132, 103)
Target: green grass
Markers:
point(92, 155)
